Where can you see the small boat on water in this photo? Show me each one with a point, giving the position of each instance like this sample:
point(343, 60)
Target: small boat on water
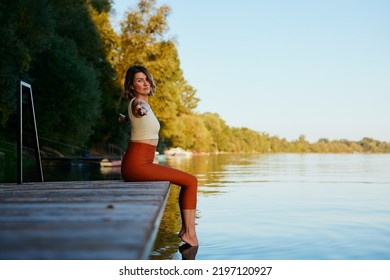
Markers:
point(104, 163)
point(177, 152)
point(110, 163)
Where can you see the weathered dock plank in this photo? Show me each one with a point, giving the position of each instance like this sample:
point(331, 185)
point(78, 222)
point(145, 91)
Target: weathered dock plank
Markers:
point(80, 220)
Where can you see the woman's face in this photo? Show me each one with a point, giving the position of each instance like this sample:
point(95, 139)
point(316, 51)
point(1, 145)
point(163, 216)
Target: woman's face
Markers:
point(141, 84)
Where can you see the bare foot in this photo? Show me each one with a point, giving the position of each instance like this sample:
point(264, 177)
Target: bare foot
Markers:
point(191, 240)
point(187, 233)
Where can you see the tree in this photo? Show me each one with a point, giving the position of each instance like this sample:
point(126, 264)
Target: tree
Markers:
point(65, 61)
point(107, 130)
point(69, 76)
point(143, 41)
point(76, 62)
point(25, 30)
point(67, 100)
point(191, 134)
point(300, 145)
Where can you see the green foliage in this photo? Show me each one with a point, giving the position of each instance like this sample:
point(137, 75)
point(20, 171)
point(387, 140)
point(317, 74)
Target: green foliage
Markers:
point(24, 30)
point(106, 129)
point(76, 63)
point(219, 132)
point(191, 134)
point(68, 100)
point(101, 6)
point(57, 47)
point(143, 41)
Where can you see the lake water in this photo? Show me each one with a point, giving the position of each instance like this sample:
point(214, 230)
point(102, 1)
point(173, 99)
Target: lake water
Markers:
point(287, 206)
point(274, 206)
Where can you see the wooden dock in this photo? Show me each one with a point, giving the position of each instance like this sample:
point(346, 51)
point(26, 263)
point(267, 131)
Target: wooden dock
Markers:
point(81, 220)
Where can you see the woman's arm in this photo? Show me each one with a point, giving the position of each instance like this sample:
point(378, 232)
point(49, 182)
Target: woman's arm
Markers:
point(139, 108)
point(122, 118)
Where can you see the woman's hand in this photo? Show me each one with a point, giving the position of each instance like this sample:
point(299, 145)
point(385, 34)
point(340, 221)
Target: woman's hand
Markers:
point(140, 108)
point(122, 118)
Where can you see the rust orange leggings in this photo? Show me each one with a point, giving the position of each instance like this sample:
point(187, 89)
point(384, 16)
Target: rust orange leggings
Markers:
point(137, 165)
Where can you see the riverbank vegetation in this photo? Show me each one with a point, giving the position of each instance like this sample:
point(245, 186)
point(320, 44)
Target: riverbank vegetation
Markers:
point(75, 61)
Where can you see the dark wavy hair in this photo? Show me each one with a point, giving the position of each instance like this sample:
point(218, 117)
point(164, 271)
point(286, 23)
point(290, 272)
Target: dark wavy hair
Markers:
point(129, 80)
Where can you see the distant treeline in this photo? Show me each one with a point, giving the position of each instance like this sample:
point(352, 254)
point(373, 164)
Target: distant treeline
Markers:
point(75, 61)
point(366, 145)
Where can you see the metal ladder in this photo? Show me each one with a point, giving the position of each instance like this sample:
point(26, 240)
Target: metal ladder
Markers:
point(23, 86)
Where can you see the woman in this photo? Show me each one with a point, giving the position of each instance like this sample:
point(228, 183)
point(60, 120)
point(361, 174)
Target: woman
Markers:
point(137, 163)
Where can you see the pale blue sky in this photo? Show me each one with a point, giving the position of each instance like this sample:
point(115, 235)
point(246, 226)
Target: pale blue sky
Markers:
point(287, 68)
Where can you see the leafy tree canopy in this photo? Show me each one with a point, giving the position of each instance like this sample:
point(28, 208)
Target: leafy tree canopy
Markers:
point(76, 64)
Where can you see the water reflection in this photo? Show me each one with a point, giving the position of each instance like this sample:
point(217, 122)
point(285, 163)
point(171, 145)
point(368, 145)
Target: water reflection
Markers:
point(288, 206)
point(188, 252)
point(211, 171)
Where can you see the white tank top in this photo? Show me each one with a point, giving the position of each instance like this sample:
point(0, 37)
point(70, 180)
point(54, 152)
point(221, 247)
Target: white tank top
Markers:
point(143, 128)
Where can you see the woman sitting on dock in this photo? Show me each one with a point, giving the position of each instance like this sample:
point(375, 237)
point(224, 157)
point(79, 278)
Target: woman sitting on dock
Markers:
point(137, 163)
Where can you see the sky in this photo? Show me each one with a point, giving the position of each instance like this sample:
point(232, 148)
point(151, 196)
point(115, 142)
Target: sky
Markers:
point(286, 68)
